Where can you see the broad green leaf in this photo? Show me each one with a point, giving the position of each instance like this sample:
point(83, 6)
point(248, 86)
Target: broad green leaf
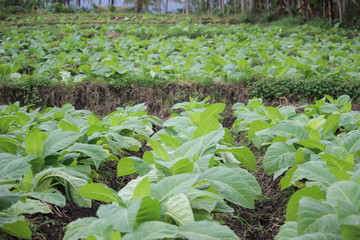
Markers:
point(173, 185)
point(344, 193)
point(59, 140)
point(20, 229)
point(293, 204)
point(232, 185)
point(312, 145)
point(208, 125)
point(331, 124)
point(97, 153)
point(34, 142)
point(244, 155)
point(316, 216)
point(12, 167)
point(256, 126)
point(149, 210)
point(287, 231)
point(290, 130)
point(350, 232)
point(112, 213)
point(30, 206)
point(314, 171)
point(352, 142)
point(319, 236)
point(71, 179)
point(142, 188)
point(85, 227)
point(274, 114)
point(170, 141)
point(278, 158)
point(67, 126)
point(8, 198)
point(205, 230)
point(125, 167)
point(213, 110)
point(153, 230)
point(130, 165)
point(50, 195)
point(178, 208)
point(8, 145)
point(100, 192)
point(159, 150)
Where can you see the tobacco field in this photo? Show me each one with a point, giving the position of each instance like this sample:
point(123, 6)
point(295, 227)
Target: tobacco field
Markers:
point(206, 170)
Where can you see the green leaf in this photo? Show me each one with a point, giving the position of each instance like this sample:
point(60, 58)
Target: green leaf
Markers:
point(100, 192)
point(125, 167)
point(59, 140)
point(350, 232)
point(30, 206)
point(8, 198)
point(178, 208)
point(233, 185)
point(159, 150)
point(287, 231)
point(331, 124)
point(352, 142)
point(293, 204)
point(314, 171)
point(85, 227)
point(274, 114)
point(8, 145)
point(278, 158)
point(149, 210)
point(97, 153)
point(153, 230)
point(112, 213)
point(243, 154)
point(170, 141)
point(71, 179)
point(142, 188)
point(34, 142)
point(67, 126)
point(205, 230)
point(182, 166)
point(173, 185)
point(206, 126)
point(211, 111)
point(18, 229)
point(344, 193)
point(50, 195)
point(316, 216)
point(290, 130)
point(12, 167)
point(310, 144)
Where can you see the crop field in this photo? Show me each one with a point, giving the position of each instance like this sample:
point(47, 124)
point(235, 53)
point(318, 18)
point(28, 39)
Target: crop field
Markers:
point(206, 170)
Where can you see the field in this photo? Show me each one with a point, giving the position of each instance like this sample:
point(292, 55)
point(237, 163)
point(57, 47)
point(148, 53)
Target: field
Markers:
point(247, 131)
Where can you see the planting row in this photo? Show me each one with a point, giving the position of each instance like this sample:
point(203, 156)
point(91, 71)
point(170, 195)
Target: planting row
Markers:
point(318, 152)
point(125, 53)
point(192, 170)
point(53, 156)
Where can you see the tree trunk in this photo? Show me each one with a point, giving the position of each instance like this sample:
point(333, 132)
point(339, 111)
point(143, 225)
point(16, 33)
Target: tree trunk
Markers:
point(166, 6)
point(340, 6)
point(243, 6)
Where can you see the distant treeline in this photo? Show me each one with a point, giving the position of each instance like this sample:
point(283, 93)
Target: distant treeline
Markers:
point(343, 11)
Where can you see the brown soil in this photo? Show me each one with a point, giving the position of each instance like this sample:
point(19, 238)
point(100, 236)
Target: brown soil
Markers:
point(51, 226)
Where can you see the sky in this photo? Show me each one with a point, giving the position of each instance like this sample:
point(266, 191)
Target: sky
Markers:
point(172, 6)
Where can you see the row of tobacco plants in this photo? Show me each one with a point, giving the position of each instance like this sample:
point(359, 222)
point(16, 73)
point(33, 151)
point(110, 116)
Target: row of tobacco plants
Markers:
point(192, 170)
point(124, 52)
point(51, 157)
point(316, 149)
